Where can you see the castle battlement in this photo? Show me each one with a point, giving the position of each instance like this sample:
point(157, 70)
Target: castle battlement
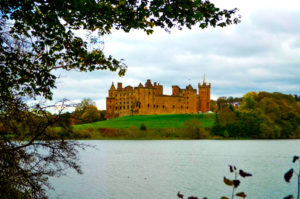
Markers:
point(149, 99)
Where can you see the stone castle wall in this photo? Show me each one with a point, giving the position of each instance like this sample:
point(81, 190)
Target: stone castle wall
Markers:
point(149, 100)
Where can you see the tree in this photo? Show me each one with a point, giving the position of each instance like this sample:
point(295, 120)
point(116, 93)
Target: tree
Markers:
point(38, 37)
point(86, 111)
point(90, 114)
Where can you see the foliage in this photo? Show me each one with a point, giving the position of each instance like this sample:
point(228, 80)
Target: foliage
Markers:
point(90, 114)
point(290, 173)
point(261, 115)
point(31, 150)
point(143, 127)
point(235, 183)
point(86, 102)
point(194, 129)
point(38, 35)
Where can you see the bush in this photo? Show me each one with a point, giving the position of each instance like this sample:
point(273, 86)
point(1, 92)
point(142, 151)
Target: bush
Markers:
point(108, 132)
point(143, 127)
point(82, 134)
point(194, 129)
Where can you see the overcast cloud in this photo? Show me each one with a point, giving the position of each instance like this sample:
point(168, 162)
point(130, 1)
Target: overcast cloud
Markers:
point(262, 53)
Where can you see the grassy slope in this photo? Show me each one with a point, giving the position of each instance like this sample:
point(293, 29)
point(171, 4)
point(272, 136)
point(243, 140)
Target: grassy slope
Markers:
point(151, 121)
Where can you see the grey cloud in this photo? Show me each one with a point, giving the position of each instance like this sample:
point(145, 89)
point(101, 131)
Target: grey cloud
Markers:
point(261, 53)
point(277, 21)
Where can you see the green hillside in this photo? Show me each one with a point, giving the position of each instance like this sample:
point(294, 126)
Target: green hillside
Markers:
point(151, 121)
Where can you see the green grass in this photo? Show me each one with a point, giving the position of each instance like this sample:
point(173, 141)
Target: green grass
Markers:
point(151, 121)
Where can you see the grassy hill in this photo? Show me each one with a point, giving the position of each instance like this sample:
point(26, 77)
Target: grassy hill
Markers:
point(151, 121)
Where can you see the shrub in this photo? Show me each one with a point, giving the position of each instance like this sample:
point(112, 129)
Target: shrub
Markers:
point(82, 134)
point(143, 127)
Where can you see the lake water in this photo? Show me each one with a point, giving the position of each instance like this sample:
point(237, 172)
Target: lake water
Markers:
point(159, 169)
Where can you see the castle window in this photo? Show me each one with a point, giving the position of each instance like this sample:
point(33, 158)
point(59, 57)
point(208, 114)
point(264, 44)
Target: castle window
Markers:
point(127, 107)
point(163, 106)
point(156, 106)
point(187, 107)
point(173, 106)
point(123, 107)
point(116, 108)
point(181, 107)
point(148, 105)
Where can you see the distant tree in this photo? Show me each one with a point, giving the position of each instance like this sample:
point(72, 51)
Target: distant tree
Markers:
point(227, 116)
point(86, 111)
point(90, 114)
point(221, 103)
point(261, 115)
point(80, 108)
point(102, 115)
point(213, 105)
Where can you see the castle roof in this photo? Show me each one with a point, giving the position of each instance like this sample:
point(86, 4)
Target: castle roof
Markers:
point(148, 84)
point(189, 87)
point(112, 88)
point(128, 88)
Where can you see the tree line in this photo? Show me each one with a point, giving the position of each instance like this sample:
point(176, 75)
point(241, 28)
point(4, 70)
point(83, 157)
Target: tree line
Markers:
point(258, 115)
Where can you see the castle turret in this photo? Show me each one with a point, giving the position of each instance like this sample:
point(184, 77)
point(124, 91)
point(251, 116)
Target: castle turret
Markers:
point(148, 84)
point(120, 86)
point(204, 96)
point(111, 90)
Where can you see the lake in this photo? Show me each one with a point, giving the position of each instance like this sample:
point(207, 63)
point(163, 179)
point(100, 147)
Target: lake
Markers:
point(125, 169)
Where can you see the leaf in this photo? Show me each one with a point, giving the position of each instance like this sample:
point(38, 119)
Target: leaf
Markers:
point(295, 158)
point(223, 197)
point(289, 197)
point(236, 183)
point(288, 175)
point(241, 194)
point(227, 181)
point(244, 174)
point(179, 195)
point(231, 169)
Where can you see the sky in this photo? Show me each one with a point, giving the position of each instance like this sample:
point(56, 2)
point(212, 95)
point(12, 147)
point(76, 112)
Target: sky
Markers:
point(262, 53)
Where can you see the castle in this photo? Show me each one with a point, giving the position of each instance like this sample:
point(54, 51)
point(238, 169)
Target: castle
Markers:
point(150, 100)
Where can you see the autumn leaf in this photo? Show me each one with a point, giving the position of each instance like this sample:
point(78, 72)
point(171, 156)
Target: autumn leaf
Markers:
point(244, 174)
point(241, 194)
point(288, 175)
point(223, 197)
point(227, 181)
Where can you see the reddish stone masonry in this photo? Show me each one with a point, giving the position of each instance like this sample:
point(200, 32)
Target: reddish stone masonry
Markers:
point(150, 100)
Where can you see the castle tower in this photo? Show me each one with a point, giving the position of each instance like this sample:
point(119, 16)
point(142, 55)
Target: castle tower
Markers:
point(204, 95)
point(111, 90)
